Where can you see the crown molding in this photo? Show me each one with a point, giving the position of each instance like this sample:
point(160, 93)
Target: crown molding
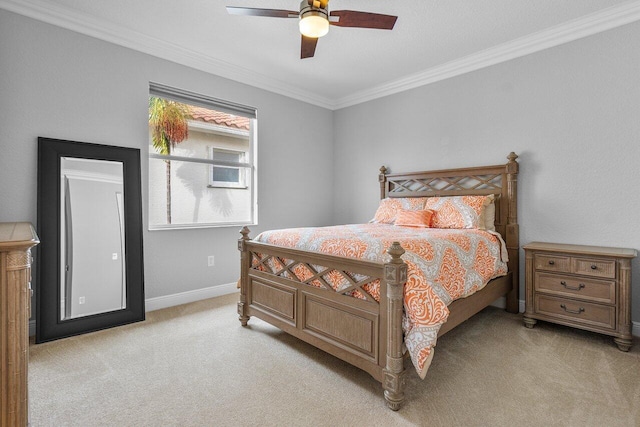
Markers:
point(585, 26)
point(116, 34)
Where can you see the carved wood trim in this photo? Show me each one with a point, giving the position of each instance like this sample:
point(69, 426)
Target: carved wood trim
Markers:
point(285, 268)
point(394, 373)
point(245, 263)
point(624, 318)
point(18, 260)
point(16, 239)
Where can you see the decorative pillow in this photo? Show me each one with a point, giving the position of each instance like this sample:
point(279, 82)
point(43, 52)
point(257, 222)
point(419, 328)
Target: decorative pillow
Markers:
point(458, 211)
point(490, 216)
point(409, 218)
point(388, 208)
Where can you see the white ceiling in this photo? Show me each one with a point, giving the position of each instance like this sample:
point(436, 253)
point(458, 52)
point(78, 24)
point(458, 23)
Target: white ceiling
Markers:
point(432, 39)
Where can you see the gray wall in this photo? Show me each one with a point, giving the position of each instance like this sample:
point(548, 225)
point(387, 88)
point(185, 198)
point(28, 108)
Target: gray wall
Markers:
point(572, 113)
point(60, 84)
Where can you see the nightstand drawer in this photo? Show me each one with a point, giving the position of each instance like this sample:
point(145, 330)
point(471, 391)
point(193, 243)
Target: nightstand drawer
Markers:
point(586, 313)
point(594, 267)
point(602, 291)
point(553, 263)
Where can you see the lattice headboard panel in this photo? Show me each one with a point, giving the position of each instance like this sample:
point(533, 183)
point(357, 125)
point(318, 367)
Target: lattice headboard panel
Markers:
point(398, 187)
point(500, 180)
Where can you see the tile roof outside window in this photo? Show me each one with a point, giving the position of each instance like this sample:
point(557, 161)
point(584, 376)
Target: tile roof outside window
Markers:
point(219, 118)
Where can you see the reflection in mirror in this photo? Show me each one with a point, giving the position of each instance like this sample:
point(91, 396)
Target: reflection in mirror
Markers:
point(93, 270)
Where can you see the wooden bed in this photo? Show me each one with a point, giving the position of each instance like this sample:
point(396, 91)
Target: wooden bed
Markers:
point(366, 333)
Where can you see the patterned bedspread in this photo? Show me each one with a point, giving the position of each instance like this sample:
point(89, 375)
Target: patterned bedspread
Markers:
point(442, 266)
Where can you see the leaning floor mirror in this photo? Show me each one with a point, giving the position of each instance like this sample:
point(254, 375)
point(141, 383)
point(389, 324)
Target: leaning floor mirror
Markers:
point(90, 272)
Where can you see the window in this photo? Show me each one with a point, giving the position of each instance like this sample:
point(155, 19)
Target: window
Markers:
point(227, 176)
point(202, 161)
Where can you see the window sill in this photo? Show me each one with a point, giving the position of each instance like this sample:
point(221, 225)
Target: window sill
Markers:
point(231, 187)
point(193, 226)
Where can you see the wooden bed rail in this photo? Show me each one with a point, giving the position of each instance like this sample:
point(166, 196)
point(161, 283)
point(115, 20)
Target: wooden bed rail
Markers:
point(321, 316)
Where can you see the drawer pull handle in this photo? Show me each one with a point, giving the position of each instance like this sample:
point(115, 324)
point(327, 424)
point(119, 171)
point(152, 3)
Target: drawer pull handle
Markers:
point(564, 307)
point(551, 262)
point(594, 267)
point(580, 286)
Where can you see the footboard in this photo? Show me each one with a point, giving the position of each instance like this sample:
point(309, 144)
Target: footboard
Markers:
point(290, 289)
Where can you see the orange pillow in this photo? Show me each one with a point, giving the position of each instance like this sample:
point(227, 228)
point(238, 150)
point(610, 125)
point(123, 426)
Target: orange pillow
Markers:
point(421, 218)
point(388, 209)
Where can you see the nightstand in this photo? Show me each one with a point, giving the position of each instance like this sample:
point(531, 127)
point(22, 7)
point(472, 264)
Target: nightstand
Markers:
point(586, 287)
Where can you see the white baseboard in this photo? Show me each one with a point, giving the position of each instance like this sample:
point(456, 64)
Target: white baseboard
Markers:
point(157, 303)
point(166, 301)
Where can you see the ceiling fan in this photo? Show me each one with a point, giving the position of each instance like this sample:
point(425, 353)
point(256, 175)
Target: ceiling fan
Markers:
point(315, 20)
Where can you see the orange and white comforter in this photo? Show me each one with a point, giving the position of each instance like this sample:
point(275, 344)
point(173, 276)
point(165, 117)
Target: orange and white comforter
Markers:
point(442, 266)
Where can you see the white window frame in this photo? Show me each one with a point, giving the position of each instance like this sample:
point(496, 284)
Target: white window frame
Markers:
point(241, 183)
point(248, 165)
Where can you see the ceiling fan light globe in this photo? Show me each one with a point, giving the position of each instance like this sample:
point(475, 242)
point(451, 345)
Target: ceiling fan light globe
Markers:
point(314, 25)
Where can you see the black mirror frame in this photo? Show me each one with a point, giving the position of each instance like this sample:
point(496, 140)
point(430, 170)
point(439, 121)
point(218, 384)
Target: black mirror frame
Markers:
point(49, 326)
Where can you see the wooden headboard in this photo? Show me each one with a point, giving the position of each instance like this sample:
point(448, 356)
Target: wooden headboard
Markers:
point(500, 180)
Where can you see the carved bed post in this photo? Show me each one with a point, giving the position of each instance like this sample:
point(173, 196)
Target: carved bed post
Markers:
point(513, 239)
point(245, 264)
point(383, 181)
point(395, 276)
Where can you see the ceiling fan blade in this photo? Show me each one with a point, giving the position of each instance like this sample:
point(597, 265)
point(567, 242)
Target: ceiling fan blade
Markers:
point(352, 18)
point(308, 47)
point(273, 13)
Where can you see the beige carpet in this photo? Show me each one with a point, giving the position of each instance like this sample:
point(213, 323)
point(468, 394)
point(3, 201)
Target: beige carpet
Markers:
point(194, 365)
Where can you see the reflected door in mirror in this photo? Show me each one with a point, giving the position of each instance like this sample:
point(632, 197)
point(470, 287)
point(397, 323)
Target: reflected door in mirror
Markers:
point(92, 237)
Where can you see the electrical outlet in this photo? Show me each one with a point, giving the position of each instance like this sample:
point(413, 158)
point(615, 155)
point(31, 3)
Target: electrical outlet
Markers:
point(114, 256)
point(81, 300)
point(211, 261)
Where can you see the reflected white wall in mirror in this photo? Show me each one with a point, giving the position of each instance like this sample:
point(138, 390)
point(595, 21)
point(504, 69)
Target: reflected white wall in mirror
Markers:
point(92, 254)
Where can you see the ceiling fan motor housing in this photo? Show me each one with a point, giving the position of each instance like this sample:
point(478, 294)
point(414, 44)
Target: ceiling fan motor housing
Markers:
point(313, 9)
point(314, 20)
